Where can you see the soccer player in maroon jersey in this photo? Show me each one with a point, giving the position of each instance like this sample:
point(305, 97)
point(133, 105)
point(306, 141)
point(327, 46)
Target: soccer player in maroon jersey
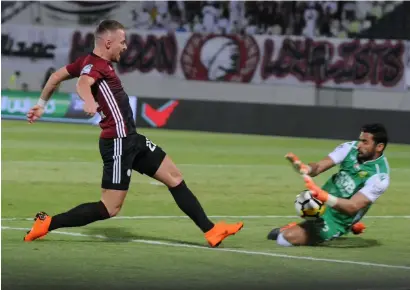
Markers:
point(122, 148)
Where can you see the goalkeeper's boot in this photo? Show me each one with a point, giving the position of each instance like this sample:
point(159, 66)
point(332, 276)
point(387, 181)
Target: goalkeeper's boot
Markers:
point(40, 227)
point(221, 231)
point(273, 235)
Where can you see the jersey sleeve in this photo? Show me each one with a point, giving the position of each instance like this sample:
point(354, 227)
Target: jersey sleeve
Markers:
point(91, 70)
point(375, 186)
point(340, 152)
point(74, 69)
point(79, 67)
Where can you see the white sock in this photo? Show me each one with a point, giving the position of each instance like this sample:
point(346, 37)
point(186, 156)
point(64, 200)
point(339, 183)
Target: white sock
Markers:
point(282, 241)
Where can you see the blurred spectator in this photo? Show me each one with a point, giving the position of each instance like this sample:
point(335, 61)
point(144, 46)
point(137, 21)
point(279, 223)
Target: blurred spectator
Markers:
point(210, 14)
point(307, 18)
point(24, 87)
point(311, 16)
point(14, 81)
point(144, 19)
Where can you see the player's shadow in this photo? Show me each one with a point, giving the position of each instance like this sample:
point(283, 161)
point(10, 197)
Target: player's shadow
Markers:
point(111, 234)
point(350, 243)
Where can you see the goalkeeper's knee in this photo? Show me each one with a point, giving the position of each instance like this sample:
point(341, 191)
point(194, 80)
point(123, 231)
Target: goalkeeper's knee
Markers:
point(281, 241)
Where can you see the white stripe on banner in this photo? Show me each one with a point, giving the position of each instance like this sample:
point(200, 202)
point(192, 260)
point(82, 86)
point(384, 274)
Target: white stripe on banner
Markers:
point(112, 104)
point(115, 107)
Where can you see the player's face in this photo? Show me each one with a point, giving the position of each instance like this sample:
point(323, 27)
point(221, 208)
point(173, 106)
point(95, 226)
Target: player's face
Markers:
point(118, 45)
point(368, 149)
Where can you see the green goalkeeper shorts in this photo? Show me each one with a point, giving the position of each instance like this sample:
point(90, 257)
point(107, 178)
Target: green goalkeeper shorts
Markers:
point(324, 229)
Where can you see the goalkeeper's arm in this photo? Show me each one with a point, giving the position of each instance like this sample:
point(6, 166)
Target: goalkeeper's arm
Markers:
point(320, 167)
point(350, 206)
point(312, 169)
point(372, 190)
point(334, 158)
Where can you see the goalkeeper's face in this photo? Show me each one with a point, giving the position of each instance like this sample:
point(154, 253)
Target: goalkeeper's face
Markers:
point(367, 148)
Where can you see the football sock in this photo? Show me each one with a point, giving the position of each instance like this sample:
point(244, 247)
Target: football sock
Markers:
point(81, 215)
point(190, 205)
point(281, 241)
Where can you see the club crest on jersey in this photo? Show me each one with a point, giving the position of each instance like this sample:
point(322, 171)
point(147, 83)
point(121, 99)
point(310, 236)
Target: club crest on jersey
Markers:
point(363, 174)
point(356, 166)
point(86, 69)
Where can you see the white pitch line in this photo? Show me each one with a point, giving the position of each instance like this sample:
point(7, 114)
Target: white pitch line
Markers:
point(147, 217)
point(200, 165)
point(245, 252)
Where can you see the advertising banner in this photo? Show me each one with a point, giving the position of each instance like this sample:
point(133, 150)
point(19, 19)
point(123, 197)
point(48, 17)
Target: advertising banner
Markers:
point(66, 108)
point(256, 59)
point(267, 119)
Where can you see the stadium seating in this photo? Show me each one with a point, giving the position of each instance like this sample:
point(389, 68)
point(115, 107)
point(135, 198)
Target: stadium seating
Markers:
point(311, 19)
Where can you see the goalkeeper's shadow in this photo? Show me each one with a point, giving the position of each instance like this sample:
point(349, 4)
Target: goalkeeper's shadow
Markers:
point(351, 243)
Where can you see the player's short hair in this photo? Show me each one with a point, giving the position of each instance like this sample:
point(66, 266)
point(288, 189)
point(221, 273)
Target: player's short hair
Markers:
point(378, 131)
point(107, 25)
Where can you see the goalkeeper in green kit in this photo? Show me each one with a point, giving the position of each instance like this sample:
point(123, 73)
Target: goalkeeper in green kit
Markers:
point(362, 178)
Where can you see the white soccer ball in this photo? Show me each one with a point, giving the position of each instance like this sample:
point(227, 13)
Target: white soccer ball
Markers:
point(308, 207)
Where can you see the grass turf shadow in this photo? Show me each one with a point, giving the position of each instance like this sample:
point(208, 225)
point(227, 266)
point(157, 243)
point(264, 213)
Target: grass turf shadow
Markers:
point(351, 243)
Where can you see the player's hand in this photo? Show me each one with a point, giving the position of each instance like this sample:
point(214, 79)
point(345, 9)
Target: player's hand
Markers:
point(90, 108)
point(358, 228)
point(315, 190)
point(34, 113)
point(298, 165)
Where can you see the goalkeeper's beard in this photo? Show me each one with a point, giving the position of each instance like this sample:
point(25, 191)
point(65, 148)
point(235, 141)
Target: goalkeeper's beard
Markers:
point(366, 156)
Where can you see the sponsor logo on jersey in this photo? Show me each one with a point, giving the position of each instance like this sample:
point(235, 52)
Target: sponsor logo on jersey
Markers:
point(345, 183)
point(86, 69)
point(363, 174)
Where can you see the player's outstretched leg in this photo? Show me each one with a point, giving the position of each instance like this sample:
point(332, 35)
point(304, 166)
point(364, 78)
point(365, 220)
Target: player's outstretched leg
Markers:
point(81, 215)
point(292, 234)
point(274, 233)
point(169, 175)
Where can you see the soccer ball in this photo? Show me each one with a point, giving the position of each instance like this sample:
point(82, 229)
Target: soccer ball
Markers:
point(308, 207)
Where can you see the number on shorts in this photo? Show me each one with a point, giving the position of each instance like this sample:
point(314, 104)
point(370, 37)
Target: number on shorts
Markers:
point(325, 227)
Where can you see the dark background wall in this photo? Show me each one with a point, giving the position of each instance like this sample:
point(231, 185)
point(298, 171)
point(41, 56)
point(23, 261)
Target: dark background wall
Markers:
point(269, 119)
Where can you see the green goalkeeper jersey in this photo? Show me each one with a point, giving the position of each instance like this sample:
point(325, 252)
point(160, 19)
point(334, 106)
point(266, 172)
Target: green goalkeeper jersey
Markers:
point(370, 178)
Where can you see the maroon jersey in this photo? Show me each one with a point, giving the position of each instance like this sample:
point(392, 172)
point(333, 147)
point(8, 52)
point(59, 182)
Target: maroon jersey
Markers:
point(113, 104)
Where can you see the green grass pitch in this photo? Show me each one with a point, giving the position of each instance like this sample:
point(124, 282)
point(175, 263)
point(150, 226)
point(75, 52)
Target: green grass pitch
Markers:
point(53, 167)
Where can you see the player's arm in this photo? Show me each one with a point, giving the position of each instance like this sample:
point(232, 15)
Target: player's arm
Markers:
point(372, 190)
point(323, 165)
point(52, 84)
point(353, 205)
point(83, 87)
point(311, 169)
point(55, 79)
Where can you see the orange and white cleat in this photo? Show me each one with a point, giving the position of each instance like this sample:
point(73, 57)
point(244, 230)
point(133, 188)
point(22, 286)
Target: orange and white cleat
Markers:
point(221, 231)
point(40, 228)
point(273, 234)
point(358, 228)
